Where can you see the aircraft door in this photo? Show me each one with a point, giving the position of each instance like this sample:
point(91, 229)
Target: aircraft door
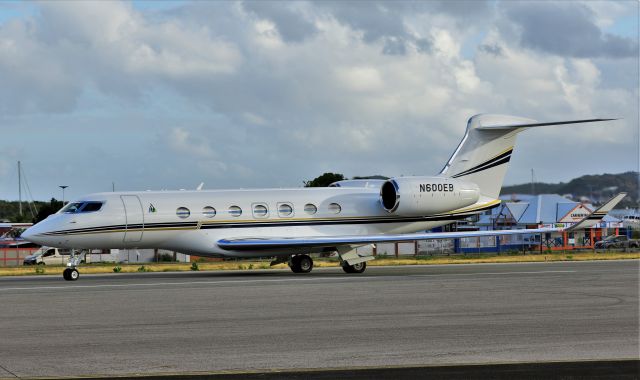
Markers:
point(134, 216)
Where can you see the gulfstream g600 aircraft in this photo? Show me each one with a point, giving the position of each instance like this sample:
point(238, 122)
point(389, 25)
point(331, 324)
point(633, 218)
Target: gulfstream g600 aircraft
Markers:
point(291, 224)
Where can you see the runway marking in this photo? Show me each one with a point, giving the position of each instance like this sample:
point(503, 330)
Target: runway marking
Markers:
point(131, 285)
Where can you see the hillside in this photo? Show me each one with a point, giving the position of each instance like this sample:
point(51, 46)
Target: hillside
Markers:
point(597, 188)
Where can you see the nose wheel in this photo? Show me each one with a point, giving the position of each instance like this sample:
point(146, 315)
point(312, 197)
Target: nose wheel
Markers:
point(71, 274)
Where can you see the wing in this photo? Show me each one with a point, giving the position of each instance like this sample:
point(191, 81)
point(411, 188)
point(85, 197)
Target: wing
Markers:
point(243, 244)
point(266, 243)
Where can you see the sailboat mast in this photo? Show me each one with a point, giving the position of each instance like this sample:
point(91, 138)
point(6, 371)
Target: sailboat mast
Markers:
point(19, 188)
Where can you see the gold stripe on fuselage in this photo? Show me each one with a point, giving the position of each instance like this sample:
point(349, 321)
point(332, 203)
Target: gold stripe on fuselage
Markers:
point(382, 219)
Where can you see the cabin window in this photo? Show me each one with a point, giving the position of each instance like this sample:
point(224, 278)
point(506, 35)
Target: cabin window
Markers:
point(209, 212)
point(75, 207)
point(91, 206)
point(260, 211)
point(335, 208)
point(235, 211)
point(285, 209)
point(310, 208)
point(71, 207)
point(183, 212)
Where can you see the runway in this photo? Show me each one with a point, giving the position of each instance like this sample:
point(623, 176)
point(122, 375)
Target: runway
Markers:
point(202, 322)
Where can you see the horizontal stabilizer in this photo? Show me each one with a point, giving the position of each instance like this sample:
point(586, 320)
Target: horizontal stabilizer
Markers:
point(509, 126)
point(596, 216)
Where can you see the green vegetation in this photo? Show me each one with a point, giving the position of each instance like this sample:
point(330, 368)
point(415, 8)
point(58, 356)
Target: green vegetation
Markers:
point(597, 186)
point(40, 270)
point(194, 266)
point(324, 180)
point(117, 269)
point(142, 268)
point(10, 210)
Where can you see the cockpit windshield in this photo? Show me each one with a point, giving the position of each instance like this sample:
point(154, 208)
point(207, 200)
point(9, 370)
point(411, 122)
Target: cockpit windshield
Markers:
point(79, 207)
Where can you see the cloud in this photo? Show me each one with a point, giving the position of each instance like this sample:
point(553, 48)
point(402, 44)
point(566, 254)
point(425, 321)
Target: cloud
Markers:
point(566, 29)
point(260, 95)
point(180, 141)
point(47, 61)
point(289, 19)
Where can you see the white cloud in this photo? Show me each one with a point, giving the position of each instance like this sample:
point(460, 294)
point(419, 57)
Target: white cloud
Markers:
point(180, 141)
point(253, 95)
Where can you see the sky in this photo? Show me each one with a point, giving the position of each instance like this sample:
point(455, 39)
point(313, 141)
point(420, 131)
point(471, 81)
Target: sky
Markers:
point(166, 95)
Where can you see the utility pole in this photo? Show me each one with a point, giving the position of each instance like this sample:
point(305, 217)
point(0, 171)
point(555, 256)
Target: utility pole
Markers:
point(533, 182)
point(19, 188)
point(113, 187)
point(63, 187)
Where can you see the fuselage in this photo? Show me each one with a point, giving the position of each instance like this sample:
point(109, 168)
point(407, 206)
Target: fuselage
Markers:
point(193, 221)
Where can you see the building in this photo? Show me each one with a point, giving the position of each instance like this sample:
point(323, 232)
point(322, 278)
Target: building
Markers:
point(545, 211)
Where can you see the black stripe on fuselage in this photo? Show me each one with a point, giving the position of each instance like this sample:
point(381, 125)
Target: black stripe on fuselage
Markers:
point(278, 223)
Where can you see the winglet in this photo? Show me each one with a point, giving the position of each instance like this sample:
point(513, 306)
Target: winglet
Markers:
point(596, 216)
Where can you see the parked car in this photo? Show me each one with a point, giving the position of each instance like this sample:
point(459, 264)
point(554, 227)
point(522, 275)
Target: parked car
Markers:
point(617, 241)
point(48, 256)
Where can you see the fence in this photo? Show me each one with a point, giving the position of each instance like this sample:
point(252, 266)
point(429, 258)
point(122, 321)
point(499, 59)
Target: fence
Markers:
point(10, 257)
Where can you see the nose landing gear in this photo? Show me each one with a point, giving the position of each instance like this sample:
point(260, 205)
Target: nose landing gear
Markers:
point(71, 273)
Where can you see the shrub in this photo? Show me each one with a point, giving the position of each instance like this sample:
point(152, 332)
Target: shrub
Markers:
point(250, 266)
point(165, 257)
point(117, 269)
point(39, 270)
point(142, 268)
point(194, 266)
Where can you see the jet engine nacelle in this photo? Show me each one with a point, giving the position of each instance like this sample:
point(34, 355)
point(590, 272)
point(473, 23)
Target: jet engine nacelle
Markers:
point(417, 196)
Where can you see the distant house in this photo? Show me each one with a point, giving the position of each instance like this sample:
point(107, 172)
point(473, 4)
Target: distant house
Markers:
point(544, 210)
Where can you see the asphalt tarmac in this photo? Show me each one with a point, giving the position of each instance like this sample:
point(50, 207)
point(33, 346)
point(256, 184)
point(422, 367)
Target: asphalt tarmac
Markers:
point(228, 323)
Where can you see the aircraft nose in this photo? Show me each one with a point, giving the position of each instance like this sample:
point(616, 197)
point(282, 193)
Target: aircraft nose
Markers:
point(34, 234)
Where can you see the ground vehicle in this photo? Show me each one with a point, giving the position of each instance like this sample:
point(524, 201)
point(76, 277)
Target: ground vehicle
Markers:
point(48, 256)
point(617, 241)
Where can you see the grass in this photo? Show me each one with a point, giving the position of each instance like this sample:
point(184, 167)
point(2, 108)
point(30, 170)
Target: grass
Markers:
point(320, 262)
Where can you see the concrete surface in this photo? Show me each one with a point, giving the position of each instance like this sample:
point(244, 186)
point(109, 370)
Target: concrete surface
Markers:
point(155, 323)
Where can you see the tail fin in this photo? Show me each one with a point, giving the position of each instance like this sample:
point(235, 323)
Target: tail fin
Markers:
point(596, 216)
point(483, 155)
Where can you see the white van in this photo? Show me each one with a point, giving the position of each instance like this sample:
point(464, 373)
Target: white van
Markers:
point(48, 256)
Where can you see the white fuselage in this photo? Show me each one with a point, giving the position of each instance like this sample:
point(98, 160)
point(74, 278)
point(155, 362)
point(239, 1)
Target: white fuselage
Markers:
point(185, 221)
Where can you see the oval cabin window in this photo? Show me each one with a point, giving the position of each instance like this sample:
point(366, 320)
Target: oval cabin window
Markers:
point(310, 208)
point(209, 212)
point(235, 211)
point(335, 208)
point(260, 211)
point(285, 209)
point(183, 212)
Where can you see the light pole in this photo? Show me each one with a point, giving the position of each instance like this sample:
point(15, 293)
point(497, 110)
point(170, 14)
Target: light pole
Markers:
point(63, 187)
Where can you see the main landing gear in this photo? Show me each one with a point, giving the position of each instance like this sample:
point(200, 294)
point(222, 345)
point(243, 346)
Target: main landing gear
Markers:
point(301, 264)
point(355, 268)
point(71, 272)
point(304, 264)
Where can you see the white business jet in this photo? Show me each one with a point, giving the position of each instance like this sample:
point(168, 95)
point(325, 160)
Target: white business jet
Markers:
point(290, 224)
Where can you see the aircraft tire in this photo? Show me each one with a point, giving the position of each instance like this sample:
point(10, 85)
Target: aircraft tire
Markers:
point(71, 274)
point(357, 268)
point(301, 264)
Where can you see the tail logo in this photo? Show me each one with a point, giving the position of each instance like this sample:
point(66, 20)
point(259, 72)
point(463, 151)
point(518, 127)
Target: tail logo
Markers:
point(500, 159)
